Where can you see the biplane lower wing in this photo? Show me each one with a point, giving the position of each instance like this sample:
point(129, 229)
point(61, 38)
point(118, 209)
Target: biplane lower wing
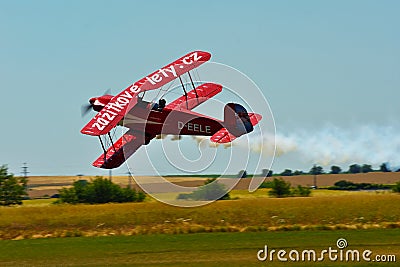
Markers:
point(121, 150)
point(195, 97)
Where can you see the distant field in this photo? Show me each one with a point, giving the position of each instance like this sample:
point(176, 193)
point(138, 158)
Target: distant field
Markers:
point(203, 249)
point(49, 185)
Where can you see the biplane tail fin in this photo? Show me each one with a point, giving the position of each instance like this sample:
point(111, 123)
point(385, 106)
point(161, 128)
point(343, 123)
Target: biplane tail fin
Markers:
point(121, 150)
point(236, 119)
point(237, 122)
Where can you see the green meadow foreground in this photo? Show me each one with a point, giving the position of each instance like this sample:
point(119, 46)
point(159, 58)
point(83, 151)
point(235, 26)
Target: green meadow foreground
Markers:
point(201, 249)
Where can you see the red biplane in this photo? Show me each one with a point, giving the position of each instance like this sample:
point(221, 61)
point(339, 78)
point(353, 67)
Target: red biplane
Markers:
point(145, 120)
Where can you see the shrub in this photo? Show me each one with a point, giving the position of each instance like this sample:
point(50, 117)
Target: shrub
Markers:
point(346, 185)
point(301, 191)
point(12, 189)
point(212, 190)
point(280, 188)
point(266, 184)
point(343, 184)
point(287, 172)
point(183, 196)
point(99, 190)
point(67, 195)
point(297, 172)
point(396, 187)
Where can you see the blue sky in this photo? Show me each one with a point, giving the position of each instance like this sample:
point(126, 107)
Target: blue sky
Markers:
point(318, 63)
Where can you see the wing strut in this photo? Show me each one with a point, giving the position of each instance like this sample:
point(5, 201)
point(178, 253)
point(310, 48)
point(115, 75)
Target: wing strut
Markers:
point(109, 135)
point(183, 87)
point(104, 149)
point(194, 88)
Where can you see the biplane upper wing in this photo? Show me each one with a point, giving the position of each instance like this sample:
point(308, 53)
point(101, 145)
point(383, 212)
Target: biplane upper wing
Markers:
point(122, 149)
point(120, 104)
point(195, 97)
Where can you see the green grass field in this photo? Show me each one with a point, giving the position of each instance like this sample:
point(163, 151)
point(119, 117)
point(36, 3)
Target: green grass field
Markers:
point(201, 249)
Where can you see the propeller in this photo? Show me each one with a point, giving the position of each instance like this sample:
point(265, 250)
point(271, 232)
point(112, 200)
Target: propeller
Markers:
point(86, 108)
point(107, 92)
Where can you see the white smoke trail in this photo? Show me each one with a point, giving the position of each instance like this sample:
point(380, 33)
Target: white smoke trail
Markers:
point(333, 145)
point(204, 141)
point(330, 145)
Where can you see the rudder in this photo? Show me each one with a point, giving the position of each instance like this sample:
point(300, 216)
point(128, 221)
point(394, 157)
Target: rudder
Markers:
point(237, 120)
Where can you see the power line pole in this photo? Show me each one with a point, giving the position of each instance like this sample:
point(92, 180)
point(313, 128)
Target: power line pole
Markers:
point(25, 170)
point(315, 181)
point(130, 178)
point(315, 171)
point(25, 175)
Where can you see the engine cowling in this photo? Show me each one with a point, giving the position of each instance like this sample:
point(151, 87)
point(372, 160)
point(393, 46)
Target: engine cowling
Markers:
point(98, 103)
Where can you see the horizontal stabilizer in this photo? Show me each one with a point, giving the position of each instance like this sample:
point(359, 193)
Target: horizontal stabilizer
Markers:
point(116, 154)
point(204, 92)
point(222, 136)
point(255, 118)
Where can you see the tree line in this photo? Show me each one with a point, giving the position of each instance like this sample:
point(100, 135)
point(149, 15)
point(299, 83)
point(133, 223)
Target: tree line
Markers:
point(317, 170)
